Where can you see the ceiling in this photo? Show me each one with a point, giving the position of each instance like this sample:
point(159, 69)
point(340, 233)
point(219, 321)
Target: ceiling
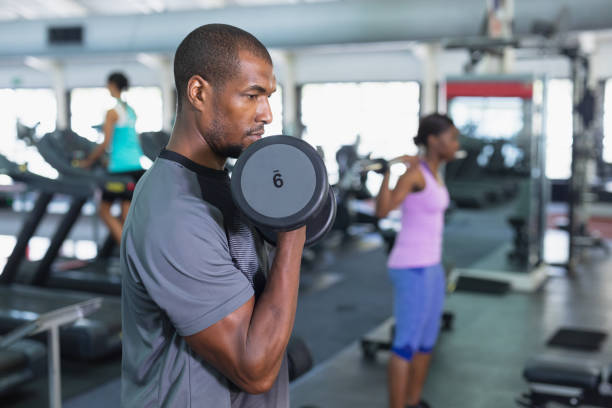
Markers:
point(11, 10)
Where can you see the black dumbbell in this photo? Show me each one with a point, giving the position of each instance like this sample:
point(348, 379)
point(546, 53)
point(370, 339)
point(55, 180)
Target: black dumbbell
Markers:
point(280, 184)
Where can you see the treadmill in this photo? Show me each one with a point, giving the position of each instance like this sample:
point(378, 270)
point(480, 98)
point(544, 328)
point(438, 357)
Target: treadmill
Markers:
point(96, 336)
point(20, 363)
point(100, 275)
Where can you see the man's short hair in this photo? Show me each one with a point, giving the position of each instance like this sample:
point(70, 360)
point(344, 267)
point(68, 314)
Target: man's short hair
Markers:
point(211, 51)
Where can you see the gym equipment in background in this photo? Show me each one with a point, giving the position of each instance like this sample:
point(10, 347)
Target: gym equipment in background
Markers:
point(499, 117)
point(20, 362)
point(95, 337)
point(584, 153)
point(299, 358)
point(352, 192)
point(152, 143)
point(567, 382)
point(50, 322)
point(60, 149)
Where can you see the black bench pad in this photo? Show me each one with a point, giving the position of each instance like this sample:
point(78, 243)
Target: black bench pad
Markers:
point(564, 374)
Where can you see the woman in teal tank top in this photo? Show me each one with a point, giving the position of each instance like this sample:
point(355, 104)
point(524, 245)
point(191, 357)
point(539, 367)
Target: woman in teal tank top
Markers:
point(125, 153)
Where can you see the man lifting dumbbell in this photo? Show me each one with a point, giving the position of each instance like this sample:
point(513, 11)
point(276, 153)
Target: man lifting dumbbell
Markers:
point(206, 319)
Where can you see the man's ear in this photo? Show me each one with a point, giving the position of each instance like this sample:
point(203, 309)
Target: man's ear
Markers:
point(198, 92)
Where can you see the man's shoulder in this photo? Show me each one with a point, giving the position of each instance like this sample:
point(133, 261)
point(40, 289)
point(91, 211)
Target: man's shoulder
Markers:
point(170, 196)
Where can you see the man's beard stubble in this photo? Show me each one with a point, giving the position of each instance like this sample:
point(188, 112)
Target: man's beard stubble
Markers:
point(215, 138)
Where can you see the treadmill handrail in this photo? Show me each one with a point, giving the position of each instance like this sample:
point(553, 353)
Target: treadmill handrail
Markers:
point(47, 147)
point(51, 322)
point(64, 185)
point(55, 318)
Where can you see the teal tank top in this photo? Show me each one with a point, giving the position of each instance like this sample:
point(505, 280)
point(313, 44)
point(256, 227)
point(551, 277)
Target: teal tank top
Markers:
point(125, 153)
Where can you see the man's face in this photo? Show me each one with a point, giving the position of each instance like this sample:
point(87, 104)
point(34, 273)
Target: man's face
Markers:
point(240, 108)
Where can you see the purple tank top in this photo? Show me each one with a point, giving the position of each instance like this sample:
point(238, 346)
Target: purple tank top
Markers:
point(419, 242)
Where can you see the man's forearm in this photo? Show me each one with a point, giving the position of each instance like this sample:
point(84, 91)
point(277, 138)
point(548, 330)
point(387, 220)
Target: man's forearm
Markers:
point(274, 313)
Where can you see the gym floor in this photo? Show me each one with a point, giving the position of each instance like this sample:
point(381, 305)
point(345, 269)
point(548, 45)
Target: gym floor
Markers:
point(479, 363)
point(345, 294)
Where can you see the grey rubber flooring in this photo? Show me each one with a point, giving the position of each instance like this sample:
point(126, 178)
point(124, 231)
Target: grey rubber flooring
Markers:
point(479, 363)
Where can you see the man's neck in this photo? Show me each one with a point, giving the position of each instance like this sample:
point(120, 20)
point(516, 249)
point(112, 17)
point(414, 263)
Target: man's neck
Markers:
point(187, 141)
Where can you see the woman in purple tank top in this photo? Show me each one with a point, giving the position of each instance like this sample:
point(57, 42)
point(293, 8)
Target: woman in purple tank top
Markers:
point(415, 260)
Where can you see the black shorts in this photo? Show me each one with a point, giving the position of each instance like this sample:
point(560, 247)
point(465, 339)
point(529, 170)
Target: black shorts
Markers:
point(119, 191)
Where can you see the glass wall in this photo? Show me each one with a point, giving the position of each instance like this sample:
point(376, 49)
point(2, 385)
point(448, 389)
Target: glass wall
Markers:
point(500, 119)
point(492, 118)
point(383, 115)
point(494, 134)
point(498, 187)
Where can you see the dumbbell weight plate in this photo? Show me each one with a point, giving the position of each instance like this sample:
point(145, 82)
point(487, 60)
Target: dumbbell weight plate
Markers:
point(279, 182)
point(316, 227)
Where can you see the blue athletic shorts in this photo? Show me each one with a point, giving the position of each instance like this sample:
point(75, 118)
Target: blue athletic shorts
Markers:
point(417, 306)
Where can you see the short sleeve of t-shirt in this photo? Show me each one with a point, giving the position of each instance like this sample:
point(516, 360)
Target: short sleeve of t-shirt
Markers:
point(187, 267)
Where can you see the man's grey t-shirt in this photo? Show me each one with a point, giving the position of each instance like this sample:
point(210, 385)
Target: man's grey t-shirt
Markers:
point(187, 261)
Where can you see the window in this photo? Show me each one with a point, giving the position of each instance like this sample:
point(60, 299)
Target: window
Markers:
point(559, 128)
point(30, 107)
point(384, 115)
point(489, 118)
point(607, 122)
point(88, 107)
point(148, 105)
